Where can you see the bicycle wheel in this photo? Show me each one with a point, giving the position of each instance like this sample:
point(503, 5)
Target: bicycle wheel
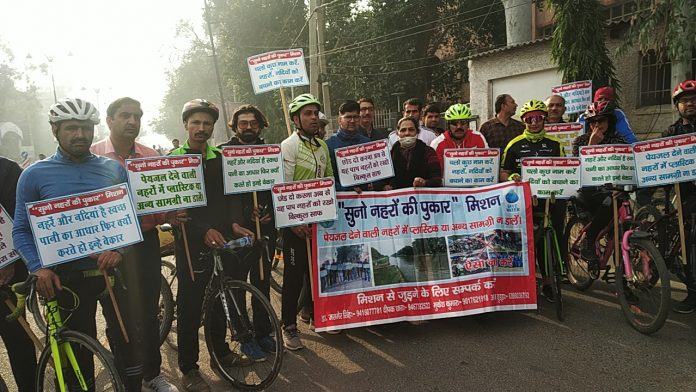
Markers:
point(92, 356)
point(166, 309)
point(3, 385)
point(645, 295)
point(553, 259)
point(249, 316)
point(169, 272)
point(36, 311)
point(578, 271)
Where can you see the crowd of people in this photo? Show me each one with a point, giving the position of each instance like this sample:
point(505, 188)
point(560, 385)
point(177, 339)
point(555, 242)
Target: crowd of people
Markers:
point(417, 148)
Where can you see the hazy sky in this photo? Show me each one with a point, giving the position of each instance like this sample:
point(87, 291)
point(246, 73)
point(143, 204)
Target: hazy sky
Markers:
point(121, 47)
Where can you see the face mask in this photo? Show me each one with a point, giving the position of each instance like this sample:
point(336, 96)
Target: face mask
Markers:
point(408, 142)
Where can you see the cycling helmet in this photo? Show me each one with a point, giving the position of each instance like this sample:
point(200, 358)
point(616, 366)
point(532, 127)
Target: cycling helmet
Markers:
point(687, 86)
point(458, 111)
point(322, 119)
point(301, 101)
point(599, 108)
point(73, 109)
point(534, 105)
point(199, 105)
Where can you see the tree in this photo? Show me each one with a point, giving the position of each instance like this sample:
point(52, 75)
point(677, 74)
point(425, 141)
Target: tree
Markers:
point(578, 47)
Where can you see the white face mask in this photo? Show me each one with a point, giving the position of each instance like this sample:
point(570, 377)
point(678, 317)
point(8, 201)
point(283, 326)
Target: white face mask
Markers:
point(408, 142)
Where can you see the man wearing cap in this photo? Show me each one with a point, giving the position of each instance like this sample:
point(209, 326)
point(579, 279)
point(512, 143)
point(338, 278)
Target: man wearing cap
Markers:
point(623, 128)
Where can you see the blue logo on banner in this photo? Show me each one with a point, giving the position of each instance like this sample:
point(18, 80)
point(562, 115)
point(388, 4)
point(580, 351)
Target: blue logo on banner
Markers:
point(512, 197)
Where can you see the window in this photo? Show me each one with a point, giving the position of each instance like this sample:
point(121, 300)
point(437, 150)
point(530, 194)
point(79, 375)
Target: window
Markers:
point(545, 32)
point(655, 81)
point(620, 12)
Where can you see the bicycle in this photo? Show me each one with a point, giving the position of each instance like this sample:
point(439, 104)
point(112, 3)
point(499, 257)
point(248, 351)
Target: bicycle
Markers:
point(643, 284)
point(70, 359)
point(245, 311)
point(553, 262)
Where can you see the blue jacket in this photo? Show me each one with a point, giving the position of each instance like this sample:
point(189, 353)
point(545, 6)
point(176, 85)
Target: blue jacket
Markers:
point(623, 128)
point(339, 140)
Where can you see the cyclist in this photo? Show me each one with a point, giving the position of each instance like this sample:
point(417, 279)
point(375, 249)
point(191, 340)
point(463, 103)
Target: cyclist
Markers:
point(71, 170)
point(684, 98)
point(305, 157)
point(533, 142)
point(623, 128)
point(600, 124)
point(208, 227)
point(458, 134)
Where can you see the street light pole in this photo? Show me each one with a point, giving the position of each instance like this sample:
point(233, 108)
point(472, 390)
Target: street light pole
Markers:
point(217, 70)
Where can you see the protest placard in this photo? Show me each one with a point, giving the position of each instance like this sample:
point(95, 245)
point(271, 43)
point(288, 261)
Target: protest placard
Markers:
point(607, 164)
point(166, 183)
point(421, 254)
point(304, 202)
point(466, 167)
point(566, 133)
point(8, 254)
point(364, 163)
point(560, 176)
point(273, 70)
point(76, 226)
point(577, 95)
point(665, 161)
point(251, 168)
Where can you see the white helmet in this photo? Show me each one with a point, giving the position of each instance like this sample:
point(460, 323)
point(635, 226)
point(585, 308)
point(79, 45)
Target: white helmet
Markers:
point(322, 119)
point(73, 109)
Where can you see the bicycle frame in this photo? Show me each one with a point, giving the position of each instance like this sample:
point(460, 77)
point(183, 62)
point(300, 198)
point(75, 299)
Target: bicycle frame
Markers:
point(59, 350)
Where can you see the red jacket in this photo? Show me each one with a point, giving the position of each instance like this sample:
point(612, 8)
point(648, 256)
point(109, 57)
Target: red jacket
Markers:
point(472, 139)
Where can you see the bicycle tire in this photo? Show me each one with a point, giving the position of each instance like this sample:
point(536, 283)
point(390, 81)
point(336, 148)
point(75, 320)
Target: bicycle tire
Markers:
point(3, 385)
point(106, 373)
point(166, 309)
point(258, 375)
point(578, 272)
point(553, 260)
point(637, 303)
point(36, 311)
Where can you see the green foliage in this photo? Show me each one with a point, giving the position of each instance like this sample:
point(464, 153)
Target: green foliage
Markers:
point(579, 48)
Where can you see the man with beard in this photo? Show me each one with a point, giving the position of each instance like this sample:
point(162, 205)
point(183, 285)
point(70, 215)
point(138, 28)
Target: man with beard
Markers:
point(502, 128)
point(141, 263)
point(458, 134)
point(413, 107)
point(347, 135)
point(684, 98)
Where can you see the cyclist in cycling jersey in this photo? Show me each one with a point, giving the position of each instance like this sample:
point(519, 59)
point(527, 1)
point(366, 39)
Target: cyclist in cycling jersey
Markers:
point(684, 98)
point(458, 133)
point(533, 142)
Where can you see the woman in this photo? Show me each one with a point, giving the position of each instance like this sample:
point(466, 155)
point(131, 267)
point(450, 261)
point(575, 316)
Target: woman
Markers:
point(415, 163)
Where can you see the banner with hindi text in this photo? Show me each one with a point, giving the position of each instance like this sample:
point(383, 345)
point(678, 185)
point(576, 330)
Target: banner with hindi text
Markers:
point(666, 160)
point(8, 254)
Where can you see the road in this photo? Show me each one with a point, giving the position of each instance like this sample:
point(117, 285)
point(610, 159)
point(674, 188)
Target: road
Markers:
point(593, 350)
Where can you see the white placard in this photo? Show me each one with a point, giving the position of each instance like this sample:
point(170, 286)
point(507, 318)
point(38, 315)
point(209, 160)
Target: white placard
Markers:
point(251, 168)
point(168, 183)
point(76, 226)
point(467, 167)
point(566, 133)
point(303, 202)
point(560, 176)
point(665, 161)
point(364, 163)
point(607, 164)
point(577, 95)
point(8, 254)
point(273, 70)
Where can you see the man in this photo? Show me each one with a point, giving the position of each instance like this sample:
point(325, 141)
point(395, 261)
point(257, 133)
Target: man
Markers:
point(367, 120)
point(304, 158)
point(413, 107)
point(347, 135)
point(141, 263)
point(20, 349)
point(175, 144)
point(247, 123)
point(502, 128)
point(431, 119)
point(323, 122)
point(73, 169)
point(208, 227)
point(458, 134)
point(684, 98)
point(557, 108)
point(623, 128)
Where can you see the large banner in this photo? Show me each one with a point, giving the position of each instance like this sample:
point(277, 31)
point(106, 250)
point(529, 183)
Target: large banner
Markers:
point(8, 253)
point(364, 163)
point(303, 202)
point(465, 167)
point(72, 227)
point(607, 164)
point(273, 70)
point(577, 95)
point(560, 176)
point(665, 161)
point(251, 168)
point(424, 253)
point(566, 133)
point(162, 184)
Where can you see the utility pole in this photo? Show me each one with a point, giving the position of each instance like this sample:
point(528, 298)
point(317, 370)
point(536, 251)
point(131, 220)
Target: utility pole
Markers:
point(326, 96)
point(314, 73)
point(223, 107)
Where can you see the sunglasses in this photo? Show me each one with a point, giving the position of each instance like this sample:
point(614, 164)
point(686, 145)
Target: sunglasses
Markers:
point(534, 119)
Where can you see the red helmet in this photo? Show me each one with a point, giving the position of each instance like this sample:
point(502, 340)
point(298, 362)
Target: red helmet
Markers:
point(599, 108)
point(687, 86)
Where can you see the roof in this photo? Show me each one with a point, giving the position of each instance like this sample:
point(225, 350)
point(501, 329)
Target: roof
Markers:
point(509, 47)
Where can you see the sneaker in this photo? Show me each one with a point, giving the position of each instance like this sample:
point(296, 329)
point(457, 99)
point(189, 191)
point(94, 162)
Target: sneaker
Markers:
point(688, 305)
point(253, 351)
point(547, 292)
point(304, 315)
point(159, 384)
point(291, 338)
point(235, 360)
point(267, 344)
point(193, 382)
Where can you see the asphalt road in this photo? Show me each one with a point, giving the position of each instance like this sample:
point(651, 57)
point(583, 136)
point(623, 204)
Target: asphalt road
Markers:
point(593, 350)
